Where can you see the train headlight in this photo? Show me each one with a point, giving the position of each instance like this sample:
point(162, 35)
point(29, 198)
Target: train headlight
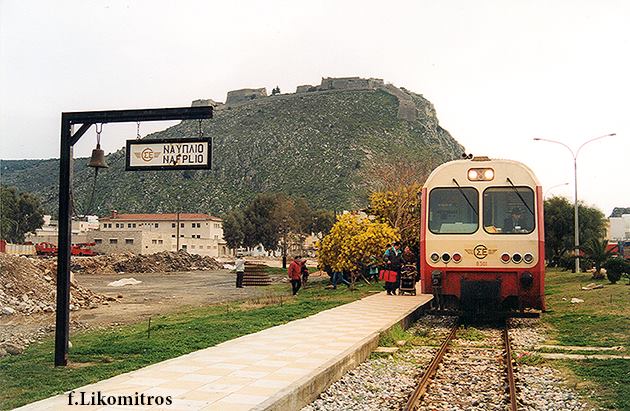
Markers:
point(457, 257)
point(516, 257)
point(527, 279)
point(505, 257)
point(446, 257)
point(435, 257)
point(480, 174)
point(528, 258)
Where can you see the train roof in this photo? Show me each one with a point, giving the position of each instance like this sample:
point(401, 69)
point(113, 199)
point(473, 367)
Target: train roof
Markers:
point(517, 170)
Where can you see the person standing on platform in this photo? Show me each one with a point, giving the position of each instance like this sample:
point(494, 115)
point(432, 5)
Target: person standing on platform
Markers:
point(394, 263)
point(239, 267)
point(304, 272)
point(295, 274)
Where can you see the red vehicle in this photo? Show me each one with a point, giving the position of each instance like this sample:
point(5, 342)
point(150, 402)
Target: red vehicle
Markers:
point(79, 249)
point(44, 248)
point(482, 239)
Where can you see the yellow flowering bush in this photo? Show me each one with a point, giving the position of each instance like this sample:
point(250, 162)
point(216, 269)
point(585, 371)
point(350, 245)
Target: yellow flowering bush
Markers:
point(353, 240)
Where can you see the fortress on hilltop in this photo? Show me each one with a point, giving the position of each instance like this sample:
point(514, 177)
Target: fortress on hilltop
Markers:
point(407, 109)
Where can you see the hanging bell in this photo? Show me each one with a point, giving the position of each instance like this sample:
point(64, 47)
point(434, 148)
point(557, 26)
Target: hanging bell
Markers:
point(98, 158)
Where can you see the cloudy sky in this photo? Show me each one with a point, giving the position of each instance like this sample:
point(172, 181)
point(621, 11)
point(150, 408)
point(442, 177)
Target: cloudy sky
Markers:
point(499, 72)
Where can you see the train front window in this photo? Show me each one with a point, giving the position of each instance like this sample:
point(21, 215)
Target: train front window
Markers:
point(453, 210)
point(508, 210)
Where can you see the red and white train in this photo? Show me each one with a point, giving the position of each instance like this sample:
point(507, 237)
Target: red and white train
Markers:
point(482, 239)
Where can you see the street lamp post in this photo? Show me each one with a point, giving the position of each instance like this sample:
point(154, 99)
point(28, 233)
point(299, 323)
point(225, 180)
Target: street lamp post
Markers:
point(552, 187)
point(575, 203)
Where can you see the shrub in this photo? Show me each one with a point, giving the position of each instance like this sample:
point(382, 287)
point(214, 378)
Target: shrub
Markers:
point(615, 268)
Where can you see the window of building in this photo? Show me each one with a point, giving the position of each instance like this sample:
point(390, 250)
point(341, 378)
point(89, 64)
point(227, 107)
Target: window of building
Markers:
point(98, 241)
point(157, 225)
point(182, 225)
point(160, 241)
point(133, 225)
point(172, 235)
point(113, 241)
point(128, 225)
point(173, 225)
point(216, 237)
point(128, 240)
point(153, 241)
point(192, 246)
point(181, 235)
point(184, 246)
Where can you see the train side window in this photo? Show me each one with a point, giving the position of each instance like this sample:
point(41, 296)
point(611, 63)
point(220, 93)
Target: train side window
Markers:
point(508, 210)
point(453, 211)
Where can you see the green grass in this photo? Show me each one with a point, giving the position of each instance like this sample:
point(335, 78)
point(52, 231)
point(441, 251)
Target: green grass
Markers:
point(470, 334)
point(608, 381)
point(97, 355)
point(394, 334)
point(602, 320)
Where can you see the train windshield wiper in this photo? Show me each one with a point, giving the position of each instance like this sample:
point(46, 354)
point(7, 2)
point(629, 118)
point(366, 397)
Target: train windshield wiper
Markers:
point(520, 196)
point(466, 197)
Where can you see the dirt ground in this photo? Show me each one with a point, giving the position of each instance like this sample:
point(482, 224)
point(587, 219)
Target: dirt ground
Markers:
point(159, 293)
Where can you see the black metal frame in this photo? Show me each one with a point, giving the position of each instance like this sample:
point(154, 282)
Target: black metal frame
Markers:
point(68, 140)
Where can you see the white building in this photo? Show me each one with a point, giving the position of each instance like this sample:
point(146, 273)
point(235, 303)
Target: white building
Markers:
point(620, 228)
point(151, 233)
point(49, 232)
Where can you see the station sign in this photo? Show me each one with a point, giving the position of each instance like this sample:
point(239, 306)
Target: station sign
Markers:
point(169, 154)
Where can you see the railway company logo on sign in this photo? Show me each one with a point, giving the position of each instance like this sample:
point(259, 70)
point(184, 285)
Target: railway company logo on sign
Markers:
point(169, 154)
point(481, 251)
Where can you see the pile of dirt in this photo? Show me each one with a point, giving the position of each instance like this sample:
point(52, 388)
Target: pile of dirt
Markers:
point(165, 261)
point(28, 286)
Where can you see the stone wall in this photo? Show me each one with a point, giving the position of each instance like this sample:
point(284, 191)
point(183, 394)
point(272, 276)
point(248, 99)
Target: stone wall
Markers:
point(407, 109)
point(204, 103)
point(305, 88)
point(344, 83)
point(245, 94)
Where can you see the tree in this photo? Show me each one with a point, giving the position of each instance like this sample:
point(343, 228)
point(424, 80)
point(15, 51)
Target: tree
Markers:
point(275, 91)
point(322, 221)
point(234, 229)
point(597, 251)
point(616, 268)
point(400, 208)
point(261, 214)
point(20, 213)
point(559, 226)
point(353, 240)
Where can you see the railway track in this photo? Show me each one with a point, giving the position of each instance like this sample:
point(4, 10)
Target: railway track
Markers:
point(471, 370)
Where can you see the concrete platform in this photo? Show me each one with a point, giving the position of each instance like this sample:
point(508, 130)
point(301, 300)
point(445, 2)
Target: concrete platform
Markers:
point(280, 368)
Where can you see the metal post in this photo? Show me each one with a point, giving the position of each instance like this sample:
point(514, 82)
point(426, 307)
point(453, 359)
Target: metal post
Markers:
point(63, 244)
point(576, 226)
point(68, 139)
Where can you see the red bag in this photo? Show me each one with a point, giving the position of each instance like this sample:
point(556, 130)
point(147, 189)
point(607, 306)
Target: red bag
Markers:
point(387, 275)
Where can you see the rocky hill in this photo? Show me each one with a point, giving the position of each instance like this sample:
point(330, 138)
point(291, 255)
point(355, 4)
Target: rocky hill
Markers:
point(322, 142)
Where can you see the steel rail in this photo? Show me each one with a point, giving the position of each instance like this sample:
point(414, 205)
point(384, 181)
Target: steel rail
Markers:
point(421, 389)
point(510, 370)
